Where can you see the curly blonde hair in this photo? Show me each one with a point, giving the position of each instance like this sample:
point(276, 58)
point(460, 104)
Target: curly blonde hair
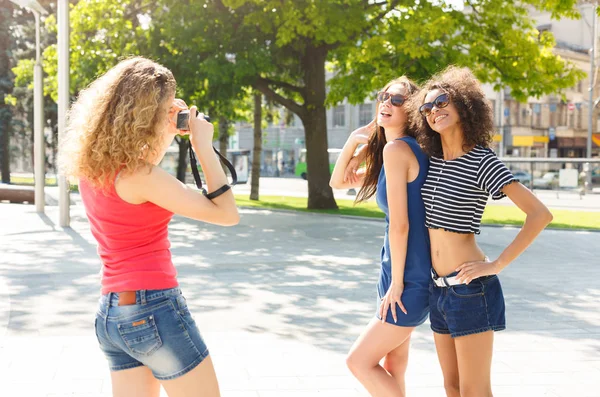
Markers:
point(113, 124)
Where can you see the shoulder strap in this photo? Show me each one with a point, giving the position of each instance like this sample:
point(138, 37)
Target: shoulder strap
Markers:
point(194, 166)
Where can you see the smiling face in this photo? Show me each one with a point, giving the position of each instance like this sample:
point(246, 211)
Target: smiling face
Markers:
point(441, 118)
point(388, 115)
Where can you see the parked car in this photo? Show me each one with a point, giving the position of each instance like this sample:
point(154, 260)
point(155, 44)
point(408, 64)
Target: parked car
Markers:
point(595, 176)
point(548, 181)
point(523, 177)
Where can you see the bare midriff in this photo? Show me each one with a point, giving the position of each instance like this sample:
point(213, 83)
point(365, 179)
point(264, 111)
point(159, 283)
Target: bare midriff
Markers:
point(449, 250)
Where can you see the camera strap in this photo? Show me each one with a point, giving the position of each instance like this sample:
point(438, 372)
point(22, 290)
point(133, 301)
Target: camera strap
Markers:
point(194, 166)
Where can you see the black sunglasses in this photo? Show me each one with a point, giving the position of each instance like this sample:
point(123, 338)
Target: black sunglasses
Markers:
point(440, 102)
point(396, 99)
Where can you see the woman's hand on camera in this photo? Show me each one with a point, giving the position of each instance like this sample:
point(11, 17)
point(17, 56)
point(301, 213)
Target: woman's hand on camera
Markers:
point(201, 131)
point(177, 106)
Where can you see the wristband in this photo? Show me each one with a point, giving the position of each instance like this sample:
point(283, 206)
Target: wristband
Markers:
point(217, 192)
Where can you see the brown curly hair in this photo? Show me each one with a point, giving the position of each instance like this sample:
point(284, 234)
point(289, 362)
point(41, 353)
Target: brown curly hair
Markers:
point(113, 124)
point(377, 141)
point(474, 110)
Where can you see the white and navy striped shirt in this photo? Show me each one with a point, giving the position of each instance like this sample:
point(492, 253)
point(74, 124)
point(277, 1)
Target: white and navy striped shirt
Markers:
point(456, 191)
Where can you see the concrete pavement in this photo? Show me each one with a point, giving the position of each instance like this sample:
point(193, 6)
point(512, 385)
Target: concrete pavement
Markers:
point(280, 298)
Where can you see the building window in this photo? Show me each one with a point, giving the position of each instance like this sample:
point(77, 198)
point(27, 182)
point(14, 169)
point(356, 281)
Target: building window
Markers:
point(579, 117)
point(580, 86)
point(339, 116)
point(365, 114)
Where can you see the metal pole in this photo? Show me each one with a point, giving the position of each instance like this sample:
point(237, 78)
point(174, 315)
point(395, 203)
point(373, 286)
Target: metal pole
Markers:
point(38, 123)
point(501, 124)
point(588, 179)
point(63, 104)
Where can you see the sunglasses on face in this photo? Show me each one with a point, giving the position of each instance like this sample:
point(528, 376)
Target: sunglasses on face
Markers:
point(396, 99)
point(440, 102)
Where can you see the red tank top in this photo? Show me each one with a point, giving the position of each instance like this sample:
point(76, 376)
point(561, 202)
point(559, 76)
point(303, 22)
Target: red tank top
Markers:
point(133, 241)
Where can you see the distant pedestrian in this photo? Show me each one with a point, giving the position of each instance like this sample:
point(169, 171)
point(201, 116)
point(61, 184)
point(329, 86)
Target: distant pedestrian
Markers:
point(395, 170)
point(455, 125)
point(120, 129)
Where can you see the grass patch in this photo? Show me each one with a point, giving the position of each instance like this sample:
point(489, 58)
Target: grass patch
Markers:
point(493, 215)
point(28, 181)
point(50, 181)
point(346, 207)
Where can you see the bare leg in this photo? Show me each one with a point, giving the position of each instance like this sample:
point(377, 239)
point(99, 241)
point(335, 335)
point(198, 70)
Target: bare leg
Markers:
point(396, 363)
point(474, 353)
point(376, 342)
point(446, 351)
point(199, 382)
point(134, 382)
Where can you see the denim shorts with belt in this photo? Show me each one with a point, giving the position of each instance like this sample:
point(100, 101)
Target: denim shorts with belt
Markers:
point(152, 328)
point(467, 309)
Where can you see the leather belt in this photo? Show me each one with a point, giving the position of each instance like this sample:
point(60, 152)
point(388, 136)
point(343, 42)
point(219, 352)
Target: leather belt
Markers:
point(127, 298)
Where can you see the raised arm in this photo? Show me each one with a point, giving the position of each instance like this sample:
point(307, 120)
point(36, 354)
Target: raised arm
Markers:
point(338, 176)
point(161, 188)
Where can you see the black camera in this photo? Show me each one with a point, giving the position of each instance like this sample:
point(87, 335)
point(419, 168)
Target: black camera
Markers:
point(183, 120)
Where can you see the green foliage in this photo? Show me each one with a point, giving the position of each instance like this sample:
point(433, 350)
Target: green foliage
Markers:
point(496, 38)
point(102, 33)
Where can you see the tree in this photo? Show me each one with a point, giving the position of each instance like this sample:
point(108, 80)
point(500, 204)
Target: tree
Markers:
point(257, 151)
point(286, 47)
point(6, 86)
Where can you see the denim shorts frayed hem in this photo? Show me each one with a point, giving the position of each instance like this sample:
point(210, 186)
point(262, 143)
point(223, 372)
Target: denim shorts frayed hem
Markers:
point(494, 328)
point(185, 370)
point(115, 368)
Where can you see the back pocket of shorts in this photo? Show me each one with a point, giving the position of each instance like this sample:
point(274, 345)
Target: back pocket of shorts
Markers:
point(140, 335)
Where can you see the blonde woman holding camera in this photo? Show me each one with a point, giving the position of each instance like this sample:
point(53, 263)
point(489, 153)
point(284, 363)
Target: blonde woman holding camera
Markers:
point(119, 130)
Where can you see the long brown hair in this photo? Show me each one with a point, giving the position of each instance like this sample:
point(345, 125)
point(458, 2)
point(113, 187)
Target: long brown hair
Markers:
point(377, 141)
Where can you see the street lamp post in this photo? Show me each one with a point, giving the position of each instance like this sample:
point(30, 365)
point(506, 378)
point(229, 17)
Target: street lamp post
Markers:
point(64, 216)
point(39, 144)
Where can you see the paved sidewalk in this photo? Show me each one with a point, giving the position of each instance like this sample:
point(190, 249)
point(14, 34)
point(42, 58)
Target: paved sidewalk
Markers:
point(280, 298)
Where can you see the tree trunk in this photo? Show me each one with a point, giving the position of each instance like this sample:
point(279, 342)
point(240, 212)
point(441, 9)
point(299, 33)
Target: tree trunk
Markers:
point(223, 138)
point(257, 152)
point(182, 159)
point(223, 135)
point(320, 195)
point(6, 87)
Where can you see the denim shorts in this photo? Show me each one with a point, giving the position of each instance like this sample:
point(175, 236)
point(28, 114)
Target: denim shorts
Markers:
point(157, 331)
point(467, 309)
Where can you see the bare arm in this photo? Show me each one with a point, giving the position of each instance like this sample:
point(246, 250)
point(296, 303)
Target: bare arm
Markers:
point(538, 217)
point(338, 179)
point(161, 188)
point(396, 160)
point(396, 164)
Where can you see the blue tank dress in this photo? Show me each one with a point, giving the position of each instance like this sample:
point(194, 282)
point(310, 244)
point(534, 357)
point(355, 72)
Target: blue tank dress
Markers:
point(417, 269)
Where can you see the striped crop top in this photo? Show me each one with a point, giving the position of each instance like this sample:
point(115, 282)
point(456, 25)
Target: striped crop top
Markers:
point(456, 191)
